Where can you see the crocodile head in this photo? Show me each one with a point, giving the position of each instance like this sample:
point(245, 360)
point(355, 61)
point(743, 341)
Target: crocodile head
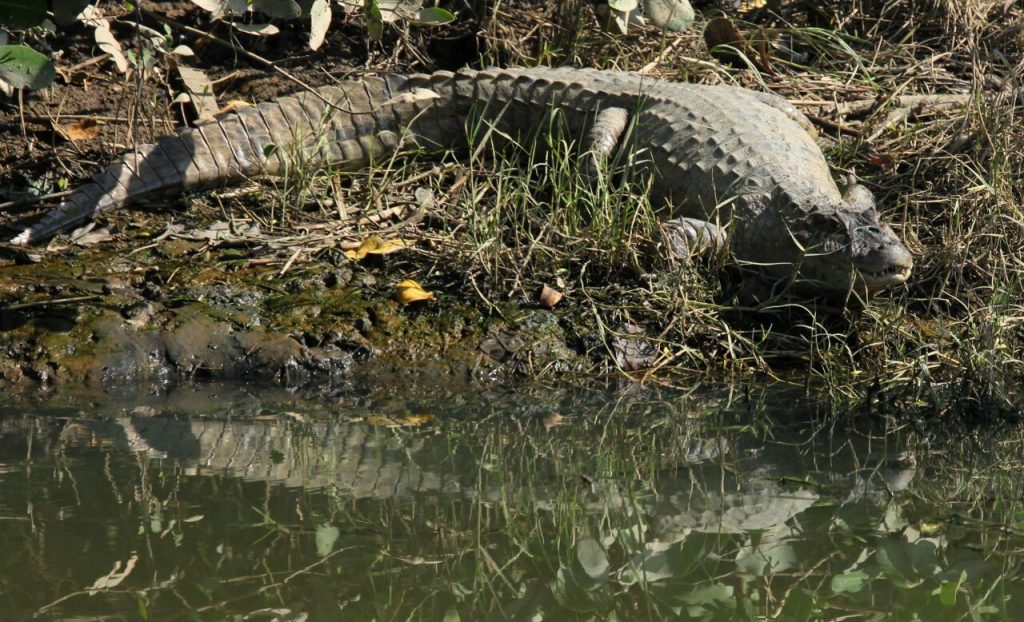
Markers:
point(847, 247)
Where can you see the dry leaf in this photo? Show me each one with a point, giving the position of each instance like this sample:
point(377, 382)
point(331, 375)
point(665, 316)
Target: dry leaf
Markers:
point(749, 6)
point(259, 30)
point(415, 419)
point(727, 44)
point(549, 296)
point(721, 31)
point(411, 291)
point(116, 576)
point(85, 129)
point(552, 420)
point(93, 17)
point(374, 245)
point(235, 104)
point(320, 20)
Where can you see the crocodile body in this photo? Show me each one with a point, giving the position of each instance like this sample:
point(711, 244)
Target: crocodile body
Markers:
point(722, 155)
point(360, 462)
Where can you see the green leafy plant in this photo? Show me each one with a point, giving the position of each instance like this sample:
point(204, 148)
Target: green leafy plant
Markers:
point(381, 12)
point(22, 67)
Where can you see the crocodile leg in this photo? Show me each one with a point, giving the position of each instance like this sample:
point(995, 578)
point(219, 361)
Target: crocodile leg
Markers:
point(689, 237)
point(603, 139)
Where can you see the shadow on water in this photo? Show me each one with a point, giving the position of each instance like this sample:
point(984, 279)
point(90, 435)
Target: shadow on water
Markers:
point(219, 504)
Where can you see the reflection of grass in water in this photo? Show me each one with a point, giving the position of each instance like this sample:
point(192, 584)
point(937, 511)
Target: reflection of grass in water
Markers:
point(558, 521)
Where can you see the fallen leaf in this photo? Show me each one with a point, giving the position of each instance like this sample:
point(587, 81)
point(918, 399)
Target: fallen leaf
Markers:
point(549, 296)
point(374, 245)
point(85, 129)
point(763, 55)
point(880, 159)
point(411, 291)
point(727, 44)
point(235, 104)
point(721, 31)
point(90, 237)
point(552, 420)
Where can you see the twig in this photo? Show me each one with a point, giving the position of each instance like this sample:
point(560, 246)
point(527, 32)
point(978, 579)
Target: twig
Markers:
point(34, 200)
point(909, 102)
point(50, 303)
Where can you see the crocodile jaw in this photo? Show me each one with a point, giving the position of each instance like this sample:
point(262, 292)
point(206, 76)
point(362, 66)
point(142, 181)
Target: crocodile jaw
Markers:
point(896, 272)
point(879, 257)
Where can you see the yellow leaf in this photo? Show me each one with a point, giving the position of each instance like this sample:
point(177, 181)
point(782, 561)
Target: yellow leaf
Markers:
point(415, 419)
point(751, 5)
point(411, 291)
point(392, 422)
point(234, 104)
point(373, 245)
point(86, 129)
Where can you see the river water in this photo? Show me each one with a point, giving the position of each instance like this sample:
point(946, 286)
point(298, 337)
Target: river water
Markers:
point(243, 503)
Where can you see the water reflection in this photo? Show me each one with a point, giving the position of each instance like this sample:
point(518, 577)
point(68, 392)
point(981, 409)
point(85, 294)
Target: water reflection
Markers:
point(653, 504)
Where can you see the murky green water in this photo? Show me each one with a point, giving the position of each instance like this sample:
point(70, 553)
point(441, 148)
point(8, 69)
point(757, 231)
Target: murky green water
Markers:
point(220, 504)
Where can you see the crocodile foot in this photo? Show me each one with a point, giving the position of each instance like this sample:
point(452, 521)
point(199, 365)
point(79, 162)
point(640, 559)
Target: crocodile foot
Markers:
point(687, 238)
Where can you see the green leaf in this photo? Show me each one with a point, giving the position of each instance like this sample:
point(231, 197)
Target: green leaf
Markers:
point(674, 15)
point(24, 68)
point(851, 582)
point(948, 590)
point(893, 557)
point(592, 558)
point(433, 16)
point(374, 20)
point(326, 536)
point(799, 606)
point(708, 594)
point(22, 13)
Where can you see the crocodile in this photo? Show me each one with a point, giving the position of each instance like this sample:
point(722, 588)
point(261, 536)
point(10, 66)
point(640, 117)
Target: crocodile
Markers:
point(357, 461)
point(731, 167)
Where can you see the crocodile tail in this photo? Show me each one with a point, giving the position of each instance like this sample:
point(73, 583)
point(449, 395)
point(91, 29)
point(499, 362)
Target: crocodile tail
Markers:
point(347, 125)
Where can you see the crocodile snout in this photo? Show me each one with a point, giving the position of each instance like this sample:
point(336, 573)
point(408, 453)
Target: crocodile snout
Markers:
point(881, 258)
